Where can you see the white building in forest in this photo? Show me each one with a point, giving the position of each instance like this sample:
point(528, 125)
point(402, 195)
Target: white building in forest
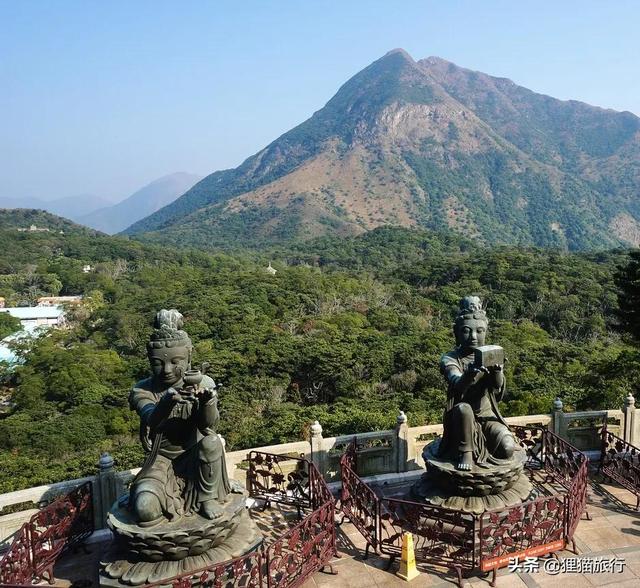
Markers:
point(37, 316)
point(34, 320)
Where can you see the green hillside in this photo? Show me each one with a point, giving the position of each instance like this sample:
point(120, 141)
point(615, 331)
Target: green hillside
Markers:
point(348, 331)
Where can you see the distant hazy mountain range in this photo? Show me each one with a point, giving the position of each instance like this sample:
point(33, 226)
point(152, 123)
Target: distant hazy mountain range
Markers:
point(428, 144)
point(72, 207)
point(106, 216)
point(159, 193)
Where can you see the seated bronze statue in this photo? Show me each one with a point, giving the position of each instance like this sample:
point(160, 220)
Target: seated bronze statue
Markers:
point(182, 512)
point(184, 471)
point(474, 430)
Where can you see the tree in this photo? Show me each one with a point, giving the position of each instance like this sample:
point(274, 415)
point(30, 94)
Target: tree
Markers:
point(8, 324)
point(627, 279)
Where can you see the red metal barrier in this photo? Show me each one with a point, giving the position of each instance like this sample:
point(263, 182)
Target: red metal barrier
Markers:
point(269, 481)
point(531, 440)
point(465, 542)
point(242, 572)
point(292, 558)
point(534, 528)
point(620, 461)
point(441, 536)
point(303, 550)
point(62, 524)
point(358, 502)
point(561, 460)
point(577, 502)
point(15, 566)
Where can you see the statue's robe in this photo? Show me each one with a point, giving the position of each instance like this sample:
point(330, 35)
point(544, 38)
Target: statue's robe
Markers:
point(177, 451)
point(471, 421)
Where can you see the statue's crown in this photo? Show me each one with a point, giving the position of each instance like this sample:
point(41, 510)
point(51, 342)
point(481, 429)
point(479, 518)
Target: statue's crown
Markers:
point(167, 330)
point(471, 307)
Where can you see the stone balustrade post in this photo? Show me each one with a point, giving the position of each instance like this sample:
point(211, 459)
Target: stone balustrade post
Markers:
point(629, 420)
point(402, 443)
point(105, 491)
point(318, 451)
point(557, 419)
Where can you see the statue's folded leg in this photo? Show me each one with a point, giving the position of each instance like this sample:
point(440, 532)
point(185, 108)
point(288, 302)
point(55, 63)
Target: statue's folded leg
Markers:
point(213, 482)
point(463, 417)
point(149, 494)
point(148, 508)
point(500, 441)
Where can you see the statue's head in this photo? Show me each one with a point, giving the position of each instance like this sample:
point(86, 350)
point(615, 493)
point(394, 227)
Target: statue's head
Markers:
point(169, 348)
point(471, 324)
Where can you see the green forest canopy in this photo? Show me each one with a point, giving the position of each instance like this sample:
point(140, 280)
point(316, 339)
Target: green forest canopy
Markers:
point(349, 331)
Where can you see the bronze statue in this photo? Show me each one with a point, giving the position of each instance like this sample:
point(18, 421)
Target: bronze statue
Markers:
point(474, 430)
point(182, 512)
point(477, 464)
point(185, 469)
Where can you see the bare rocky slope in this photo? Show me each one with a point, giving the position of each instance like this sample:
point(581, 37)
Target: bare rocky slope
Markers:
point(433, 145)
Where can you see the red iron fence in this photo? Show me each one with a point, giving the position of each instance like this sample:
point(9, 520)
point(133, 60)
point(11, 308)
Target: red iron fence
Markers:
point(620, 461)
point(62, 524)
point(358, 502)
point(466, 542)
point(242, 572)
point(279, 478)
point(303, 550)
point(441, 536)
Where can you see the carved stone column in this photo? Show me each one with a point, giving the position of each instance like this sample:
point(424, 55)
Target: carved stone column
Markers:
point(318, 451)
point(629, 423)
point(107, 490)
point(558, 425)
point(402, 445)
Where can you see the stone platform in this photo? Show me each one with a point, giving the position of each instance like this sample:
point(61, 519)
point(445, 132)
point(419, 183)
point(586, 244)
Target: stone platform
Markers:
point(614, 531)
point(483, 487)
point(147, 555)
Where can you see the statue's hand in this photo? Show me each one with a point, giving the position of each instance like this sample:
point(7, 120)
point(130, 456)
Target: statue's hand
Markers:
point(498, 375)
point(476, 373)
point(172, 397)
point(207, 394)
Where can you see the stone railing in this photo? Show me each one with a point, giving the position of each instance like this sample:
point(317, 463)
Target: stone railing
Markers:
point(390, 455)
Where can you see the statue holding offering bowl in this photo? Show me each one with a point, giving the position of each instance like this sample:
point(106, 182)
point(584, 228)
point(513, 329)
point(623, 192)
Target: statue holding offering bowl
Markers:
point(182, 512)
point(185, 469)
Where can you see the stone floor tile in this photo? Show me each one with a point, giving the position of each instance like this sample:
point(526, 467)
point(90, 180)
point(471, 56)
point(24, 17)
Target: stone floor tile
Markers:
point(634, 566)
point(390, 580)
point(625, 584)
point(630, 557)
point(350, 574)
point(602, 538)
point(503, 581)
point(609, 578)
point(561, 580)
point(596, 522)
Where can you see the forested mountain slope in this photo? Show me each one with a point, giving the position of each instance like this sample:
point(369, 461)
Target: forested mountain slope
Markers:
point(427, 144)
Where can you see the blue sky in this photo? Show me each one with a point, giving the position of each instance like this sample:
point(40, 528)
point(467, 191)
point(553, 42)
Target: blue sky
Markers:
point(103, 97)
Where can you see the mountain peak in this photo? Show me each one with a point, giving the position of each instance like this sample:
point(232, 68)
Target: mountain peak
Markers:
point(401, 52)
point(141, 203)
point(428, 144)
